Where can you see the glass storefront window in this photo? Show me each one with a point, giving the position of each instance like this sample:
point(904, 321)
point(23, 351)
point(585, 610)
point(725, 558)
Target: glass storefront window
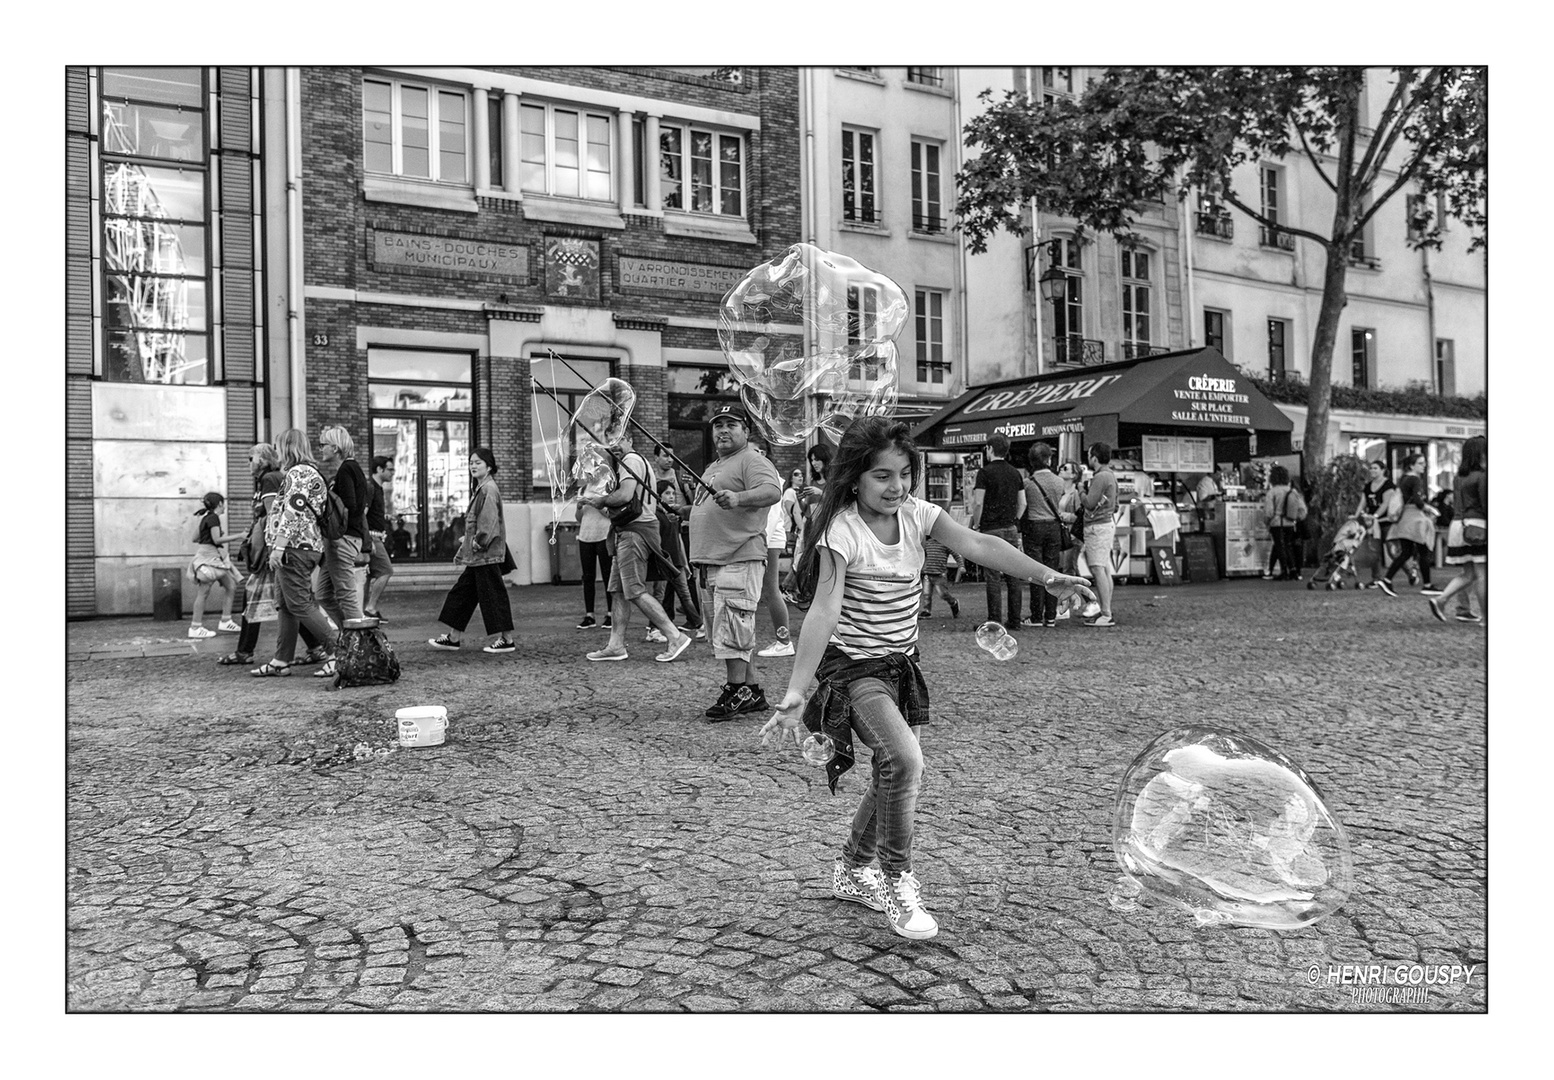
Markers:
point(157, 357)
point(419, 366)
point(421, 398)
point(153, 131)
point(176, 85)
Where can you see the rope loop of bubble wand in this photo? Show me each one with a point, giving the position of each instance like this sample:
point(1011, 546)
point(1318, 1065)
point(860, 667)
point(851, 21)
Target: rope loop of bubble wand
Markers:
point(632, 420)
point(647, 487)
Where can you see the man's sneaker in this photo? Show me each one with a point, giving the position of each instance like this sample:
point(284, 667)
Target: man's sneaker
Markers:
point(1468, 616)
point(1386, 587)
point(697, 634)
point(778, 648)
point(1430, 590)
point(609, 622)
point(904, 908)
point(655, 637)
point(1435, 609)
point(501, 644)
point(607, 654)
point(753, 700)
point(1268, 577)
point(722, 709)
point(201, 632)
point(862, 885)
point(678, 646)
point(227, 626)
point(1031, 622)
point(587, 623)
point(442, 641)
point(1103, 622)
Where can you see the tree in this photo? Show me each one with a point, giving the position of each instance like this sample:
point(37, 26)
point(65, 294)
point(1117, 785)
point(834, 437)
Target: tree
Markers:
point(1138, 134)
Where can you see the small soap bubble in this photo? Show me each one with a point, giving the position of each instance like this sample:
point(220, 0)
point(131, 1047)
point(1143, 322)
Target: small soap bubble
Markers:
point(1006, 648)
point(1230, 830)
point(989, 634)
point(819, 749)
point(812, 323)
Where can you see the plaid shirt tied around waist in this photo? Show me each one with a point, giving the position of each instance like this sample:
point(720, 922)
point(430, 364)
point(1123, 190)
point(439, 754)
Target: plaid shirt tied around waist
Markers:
point(831, 711)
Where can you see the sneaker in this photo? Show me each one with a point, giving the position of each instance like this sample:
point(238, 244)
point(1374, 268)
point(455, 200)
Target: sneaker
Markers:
point(675, 649)
point(925, 614)
point(1386, 587)
point(1430, 590)
point(1268, 577)
point(699, 635)
point(1435, 609)
point(587, 623)
point(227, 626)
point(655, 637)
point(1050, 624)
point(607, 654)
point(201, 632)
point(721, 709)
point(1062, 613)
point(442, 641)
point(609, 622)
point(501, 644)
point(904, 907)
point(1037, 623)
point(954, 608)
point(752, 700)
point(1467, 616)
point(1104, 622)
point(1413, 576)
point(777, 648)
point(862, 885)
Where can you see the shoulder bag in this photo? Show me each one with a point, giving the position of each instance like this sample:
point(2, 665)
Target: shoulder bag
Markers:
point(334, 521)
point(1067, 538)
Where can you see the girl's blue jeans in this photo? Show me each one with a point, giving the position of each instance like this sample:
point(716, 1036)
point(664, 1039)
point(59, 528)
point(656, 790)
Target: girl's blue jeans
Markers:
point(882, 825)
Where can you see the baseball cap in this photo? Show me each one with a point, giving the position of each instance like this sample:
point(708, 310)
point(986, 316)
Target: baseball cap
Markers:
point(733, 411)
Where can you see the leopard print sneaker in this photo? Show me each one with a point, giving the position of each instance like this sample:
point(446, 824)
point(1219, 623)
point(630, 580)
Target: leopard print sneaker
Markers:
point(861, 885)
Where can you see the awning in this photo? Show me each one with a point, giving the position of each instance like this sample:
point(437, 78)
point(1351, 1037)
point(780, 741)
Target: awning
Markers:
point(1192, 389)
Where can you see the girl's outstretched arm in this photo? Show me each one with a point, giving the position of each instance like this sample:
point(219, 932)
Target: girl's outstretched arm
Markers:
point(819, 624)
point(985, 550)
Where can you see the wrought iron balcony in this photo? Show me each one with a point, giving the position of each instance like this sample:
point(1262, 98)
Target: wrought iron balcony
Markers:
point(927, 223)
point(926, 76)
point(1215, 223)
point(1133, 350)
point(1073, 349)
point(1357, 257)
point(1276, 238)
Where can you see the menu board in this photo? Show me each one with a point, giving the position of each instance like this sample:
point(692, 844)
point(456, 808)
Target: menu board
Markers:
point(1198, 551)
point(1194, 455)
point(1172, 453)
point(1247, 539)
point(1159, 453)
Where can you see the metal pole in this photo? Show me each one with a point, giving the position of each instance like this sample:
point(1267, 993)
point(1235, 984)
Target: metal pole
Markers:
point(573, 415)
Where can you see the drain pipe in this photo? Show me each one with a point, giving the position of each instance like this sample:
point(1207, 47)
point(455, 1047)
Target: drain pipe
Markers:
point(294, 299)
point(1429, 283)
point(1037, 302)
point(1184, 223)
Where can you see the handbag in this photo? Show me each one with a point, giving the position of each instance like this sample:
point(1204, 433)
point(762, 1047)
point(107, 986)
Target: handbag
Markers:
point(1475, 531)
point(1067, 538)
point(263, 597)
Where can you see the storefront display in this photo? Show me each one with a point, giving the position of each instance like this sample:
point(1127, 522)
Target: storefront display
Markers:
point(1247, 539)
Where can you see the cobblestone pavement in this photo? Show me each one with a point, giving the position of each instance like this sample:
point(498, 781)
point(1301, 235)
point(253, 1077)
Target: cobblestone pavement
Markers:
point(585, 840)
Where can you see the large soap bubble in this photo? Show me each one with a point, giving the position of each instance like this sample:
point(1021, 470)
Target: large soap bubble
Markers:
point(812, 325)
point(605, 413)
point(580, 455)
point(1231, 830)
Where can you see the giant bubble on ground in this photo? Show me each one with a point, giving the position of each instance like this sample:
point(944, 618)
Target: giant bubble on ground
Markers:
point(1229, 829)
point(809, 339)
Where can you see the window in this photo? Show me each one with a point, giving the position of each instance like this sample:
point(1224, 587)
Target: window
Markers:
point(858, 188)
point(565, 152)
point(1213, 218)
point(863, 307)
point(927, 202)
point(1278, 339)
point(931, 364)
point(926, 76)
point(1445, 367)
point(1060, 79)
point(1214, 329)
point(494, 138)
point(1362, 350)
point(1416, 211)
point(418, 132)
point(1068, 315)
point(1135, 303)
point(154, 222)
point(552, 422)
point(1271, 194)
point(1361, 246)
point(716, 167)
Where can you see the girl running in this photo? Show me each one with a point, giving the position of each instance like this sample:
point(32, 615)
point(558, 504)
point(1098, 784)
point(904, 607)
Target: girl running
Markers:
point(860, 642)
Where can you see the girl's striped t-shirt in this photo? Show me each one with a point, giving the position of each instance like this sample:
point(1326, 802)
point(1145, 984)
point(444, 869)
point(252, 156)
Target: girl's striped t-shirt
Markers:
point(882, 589)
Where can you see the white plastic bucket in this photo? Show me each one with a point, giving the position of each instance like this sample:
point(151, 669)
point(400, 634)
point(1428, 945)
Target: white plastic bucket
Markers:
point(422, 725)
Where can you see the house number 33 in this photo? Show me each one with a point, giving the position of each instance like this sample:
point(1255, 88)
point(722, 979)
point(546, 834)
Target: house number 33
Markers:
point(321, 339)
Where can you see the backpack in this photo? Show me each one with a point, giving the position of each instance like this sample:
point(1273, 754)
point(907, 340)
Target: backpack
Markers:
point(629, 511)
point(334, 523)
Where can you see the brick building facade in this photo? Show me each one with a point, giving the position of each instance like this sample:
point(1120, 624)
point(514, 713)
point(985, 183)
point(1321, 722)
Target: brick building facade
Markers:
point(462, 226)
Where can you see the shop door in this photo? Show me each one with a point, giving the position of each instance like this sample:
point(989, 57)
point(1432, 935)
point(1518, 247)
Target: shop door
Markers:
point(426, 506)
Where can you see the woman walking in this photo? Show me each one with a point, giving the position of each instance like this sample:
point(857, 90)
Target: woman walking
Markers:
point(1467, 541)
point(1043, 529)
point(593, 550)
point(264, 464)
point(212, 566)
point(1414, 530)
point(296, 545)
point(1375, 511)
point(341, 583)
point(483, 554)
point(1284, 507)
point(865, 560)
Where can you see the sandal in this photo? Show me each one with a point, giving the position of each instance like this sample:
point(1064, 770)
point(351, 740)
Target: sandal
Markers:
point(270, 669)
point(234, 658)
point(329, 670)
point(316, 655)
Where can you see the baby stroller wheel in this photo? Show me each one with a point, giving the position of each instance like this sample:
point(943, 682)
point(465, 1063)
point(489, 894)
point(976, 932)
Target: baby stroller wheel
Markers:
point(1312, 584)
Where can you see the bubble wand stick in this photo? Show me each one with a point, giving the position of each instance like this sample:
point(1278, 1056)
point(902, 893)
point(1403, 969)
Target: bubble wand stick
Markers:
point(632, 420)
point(573, 419)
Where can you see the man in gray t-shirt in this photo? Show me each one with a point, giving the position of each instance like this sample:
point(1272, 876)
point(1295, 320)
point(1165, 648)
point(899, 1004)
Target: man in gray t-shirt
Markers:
point(728, 547)
point(1099, 504)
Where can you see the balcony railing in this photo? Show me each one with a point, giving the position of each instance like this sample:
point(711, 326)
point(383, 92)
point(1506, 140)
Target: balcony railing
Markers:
point(1073, 349)
point(1133, 350)
point(1357, 257)
point(1215, 223)
point(1276, 237)
point(927, 223)
point(926, 76)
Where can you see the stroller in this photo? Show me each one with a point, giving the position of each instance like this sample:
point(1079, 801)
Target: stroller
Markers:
point(1340, 557)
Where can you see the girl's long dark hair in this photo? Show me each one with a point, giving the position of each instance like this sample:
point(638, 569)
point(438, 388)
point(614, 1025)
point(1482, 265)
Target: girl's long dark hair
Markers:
point(1473, 453)
point(866, 437)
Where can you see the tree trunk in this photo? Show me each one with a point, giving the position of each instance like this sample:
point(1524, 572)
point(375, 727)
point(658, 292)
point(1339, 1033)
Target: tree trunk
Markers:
point(1319, 398)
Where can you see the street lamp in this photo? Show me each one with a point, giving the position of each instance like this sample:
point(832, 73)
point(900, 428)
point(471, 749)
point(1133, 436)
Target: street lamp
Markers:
point(1053, 284)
